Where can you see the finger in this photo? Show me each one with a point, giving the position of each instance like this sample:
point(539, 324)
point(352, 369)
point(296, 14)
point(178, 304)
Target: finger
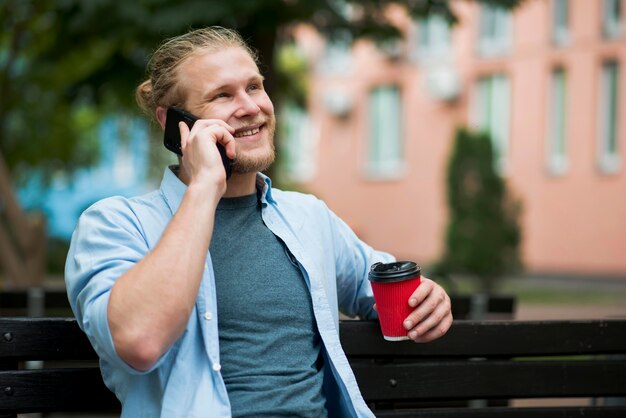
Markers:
point(205, 123)
point(224, 137)
point(184, 134)
point(430, 322)
point(436, 298)
point(421, 292)
point(433, 320)
point(435, 332)
point(228, 141)
point(216, 132)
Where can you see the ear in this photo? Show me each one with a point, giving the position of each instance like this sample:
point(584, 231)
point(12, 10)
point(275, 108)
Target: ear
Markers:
point(161, 115)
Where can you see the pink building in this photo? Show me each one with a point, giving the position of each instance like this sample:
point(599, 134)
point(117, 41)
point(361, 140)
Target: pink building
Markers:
point(548, 81)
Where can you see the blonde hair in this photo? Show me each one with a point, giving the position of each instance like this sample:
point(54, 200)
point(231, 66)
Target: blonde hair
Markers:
point(161, 87)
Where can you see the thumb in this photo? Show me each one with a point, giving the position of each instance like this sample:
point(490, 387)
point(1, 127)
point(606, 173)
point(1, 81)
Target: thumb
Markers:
point(184, 133)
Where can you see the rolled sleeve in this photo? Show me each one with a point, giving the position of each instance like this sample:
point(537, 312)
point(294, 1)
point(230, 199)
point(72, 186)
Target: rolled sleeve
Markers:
point(353, 259)
point(107, 242)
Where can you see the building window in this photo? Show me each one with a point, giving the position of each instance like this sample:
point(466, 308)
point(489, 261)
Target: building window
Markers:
point(300, 144)
point(557, 134)
point(491, 114)
point(609, 161)
point(495, 29)
point(433, 38)
point(337, 58)
point(385, 149)
point(560, 22)
point(612, 18)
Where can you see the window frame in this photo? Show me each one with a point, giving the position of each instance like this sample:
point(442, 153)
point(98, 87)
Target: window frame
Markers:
point(557, 162)
point(499, 41)
point(431, 47)
point(609, 160)
point(337, 56)
point(299, 138)
point(385, 119)
point(612, 24)
point(496, 87)
point(561, 22)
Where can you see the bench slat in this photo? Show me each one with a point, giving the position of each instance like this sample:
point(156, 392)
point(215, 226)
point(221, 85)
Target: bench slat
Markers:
point(482, 379)
point(562, 412)
point(43, 339)
point(16, 300)
point(497, 305)
point(492, 338)
point(363, 338)
point(72, 389)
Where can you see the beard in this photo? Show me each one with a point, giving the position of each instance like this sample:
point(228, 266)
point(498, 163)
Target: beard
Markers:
point(252, 163)
point(257, 159)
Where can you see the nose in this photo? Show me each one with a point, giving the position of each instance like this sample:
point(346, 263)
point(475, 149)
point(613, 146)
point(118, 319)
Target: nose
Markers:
point(246, 106)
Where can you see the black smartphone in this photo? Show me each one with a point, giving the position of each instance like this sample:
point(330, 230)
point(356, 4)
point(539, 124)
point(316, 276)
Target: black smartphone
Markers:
point(171, 136)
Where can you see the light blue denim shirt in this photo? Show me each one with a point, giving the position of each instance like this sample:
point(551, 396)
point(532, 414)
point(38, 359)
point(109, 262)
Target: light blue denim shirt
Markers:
point(116, 233)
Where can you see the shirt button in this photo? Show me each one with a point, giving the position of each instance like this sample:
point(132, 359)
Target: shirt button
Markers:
point(208, 316)
point(217, 367)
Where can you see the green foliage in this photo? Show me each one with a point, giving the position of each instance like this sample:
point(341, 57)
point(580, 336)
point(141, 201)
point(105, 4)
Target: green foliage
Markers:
point(292, 74)
point(40, 122)
point(483, 235)
point(65, 64)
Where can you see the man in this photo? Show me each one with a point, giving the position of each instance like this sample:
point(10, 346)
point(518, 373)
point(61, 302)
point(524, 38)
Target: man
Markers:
point(148, 277)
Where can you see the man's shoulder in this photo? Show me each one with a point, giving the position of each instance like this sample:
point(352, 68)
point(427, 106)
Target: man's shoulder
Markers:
point(132, 208)
point(305, 200)
point(121, 203)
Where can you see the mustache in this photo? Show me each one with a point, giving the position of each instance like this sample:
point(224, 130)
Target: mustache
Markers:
point(251, 124)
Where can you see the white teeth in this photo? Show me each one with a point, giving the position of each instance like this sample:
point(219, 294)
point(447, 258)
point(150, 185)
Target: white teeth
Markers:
point(247, 133)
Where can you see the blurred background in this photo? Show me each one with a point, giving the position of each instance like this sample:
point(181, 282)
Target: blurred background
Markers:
point(483, 139)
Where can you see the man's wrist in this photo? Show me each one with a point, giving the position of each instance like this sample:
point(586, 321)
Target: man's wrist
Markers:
point(204, 194)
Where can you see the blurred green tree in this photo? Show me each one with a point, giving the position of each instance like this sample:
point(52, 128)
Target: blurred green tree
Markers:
point(483, 236)
point(65, 63)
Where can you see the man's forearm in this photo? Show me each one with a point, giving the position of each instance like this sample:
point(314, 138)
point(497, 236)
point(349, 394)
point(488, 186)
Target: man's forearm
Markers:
point(150, 304)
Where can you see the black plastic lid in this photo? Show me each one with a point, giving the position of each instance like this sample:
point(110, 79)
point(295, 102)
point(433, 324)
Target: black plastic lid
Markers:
point(394, 272)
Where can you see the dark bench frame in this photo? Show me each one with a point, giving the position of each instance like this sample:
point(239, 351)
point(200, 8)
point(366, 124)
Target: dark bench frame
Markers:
point(53, 301)
point(485, 360)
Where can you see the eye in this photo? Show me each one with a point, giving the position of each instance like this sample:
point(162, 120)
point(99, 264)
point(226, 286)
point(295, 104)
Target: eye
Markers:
point(253, 87)
point(220, 96)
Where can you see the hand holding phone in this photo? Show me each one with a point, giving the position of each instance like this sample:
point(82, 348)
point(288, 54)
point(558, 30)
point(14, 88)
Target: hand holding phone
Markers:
point(171, 136)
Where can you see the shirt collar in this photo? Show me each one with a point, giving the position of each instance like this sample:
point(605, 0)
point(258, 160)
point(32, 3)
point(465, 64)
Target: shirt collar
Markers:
point(264, 184)
point(173, 189)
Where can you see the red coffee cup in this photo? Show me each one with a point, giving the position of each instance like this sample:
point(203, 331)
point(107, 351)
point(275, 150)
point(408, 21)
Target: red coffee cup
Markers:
point(393, 284)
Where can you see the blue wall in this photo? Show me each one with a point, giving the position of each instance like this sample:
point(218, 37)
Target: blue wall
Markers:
point(122, 170)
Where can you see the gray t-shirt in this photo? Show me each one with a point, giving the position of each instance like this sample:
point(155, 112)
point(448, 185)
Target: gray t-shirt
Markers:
point(269, 344)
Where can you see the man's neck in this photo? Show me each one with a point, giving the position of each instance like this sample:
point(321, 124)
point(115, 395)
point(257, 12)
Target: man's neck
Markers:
point(240, 184)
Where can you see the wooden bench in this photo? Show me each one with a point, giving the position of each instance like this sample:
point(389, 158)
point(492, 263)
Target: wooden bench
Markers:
point(476, 362)
point(46, 301)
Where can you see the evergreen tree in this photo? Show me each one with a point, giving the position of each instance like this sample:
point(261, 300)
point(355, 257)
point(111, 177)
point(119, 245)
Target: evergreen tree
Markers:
point(483, 236)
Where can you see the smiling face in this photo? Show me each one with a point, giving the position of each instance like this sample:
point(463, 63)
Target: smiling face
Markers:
point(226, 84)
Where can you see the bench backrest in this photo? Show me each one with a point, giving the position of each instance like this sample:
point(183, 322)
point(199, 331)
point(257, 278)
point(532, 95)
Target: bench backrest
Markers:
point(492, 360)
point(475, 360)
point(53, 302)
point(71, 379)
